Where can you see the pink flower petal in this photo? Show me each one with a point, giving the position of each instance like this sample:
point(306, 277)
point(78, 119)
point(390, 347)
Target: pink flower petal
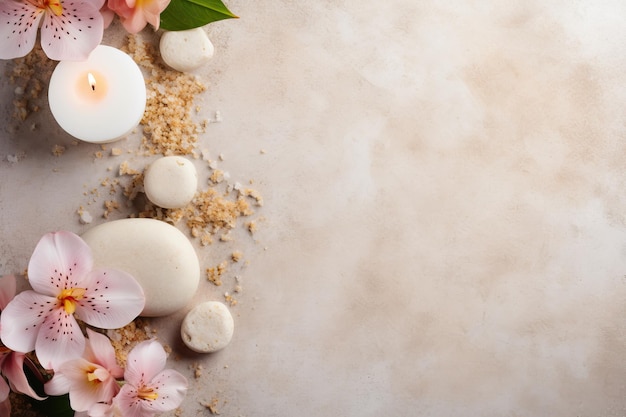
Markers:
point(75, 33)
point(170, 387)
point(85, 393)
point(5, 408)
point(21, 319)
point(152, 11)
point(7, 290)
point(102, 410)
point(59, 339)
point(58, 385)
point(132, 405)
point(144, 362)
point(112, 299)
point(4, 389)
point(107, 15)
point(60, 260)
point(19, 21)
point(99, 350)
point(134, 16)
point(13, 369)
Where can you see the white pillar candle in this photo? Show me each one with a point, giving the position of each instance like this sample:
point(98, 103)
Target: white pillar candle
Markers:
point(98, 100)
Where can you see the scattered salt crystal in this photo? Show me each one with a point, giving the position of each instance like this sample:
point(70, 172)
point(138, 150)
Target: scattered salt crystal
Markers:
point(221, 157)
point(85, 217)
point(218, 116)
point(12, 159)
point(213, 164)
point(237, 186)
point(18, 91)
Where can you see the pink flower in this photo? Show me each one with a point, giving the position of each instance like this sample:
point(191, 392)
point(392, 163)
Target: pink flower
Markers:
point(60, 272)
point(12, 363)
point(90, 379)
point(149, 389)
point(70, 29)
point(136, 14)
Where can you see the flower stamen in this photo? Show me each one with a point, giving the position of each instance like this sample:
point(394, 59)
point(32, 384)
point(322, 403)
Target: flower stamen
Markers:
point(97, 374)
point(56, 7)
point(68, 298)
point(147, 393)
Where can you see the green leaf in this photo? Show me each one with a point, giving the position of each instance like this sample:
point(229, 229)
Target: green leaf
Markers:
point(189, 14)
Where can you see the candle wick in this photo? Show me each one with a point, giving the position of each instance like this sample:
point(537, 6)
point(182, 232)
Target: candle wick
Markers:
point(93, 87)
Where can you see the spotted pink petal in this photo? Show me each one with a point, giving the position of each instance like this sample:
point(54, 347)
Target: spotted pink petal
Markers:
point(7, 290)
point(75, 33)
point(60, 260)
point(99, 350)
point(13, 369)
point(59, 339)
point(21, 319)
point(144, 362)
point(170, 387)
point(112, 299)
point(19, 21)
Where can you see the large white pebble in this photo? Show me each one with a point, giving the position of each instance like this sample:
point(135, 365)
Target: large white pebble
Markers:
point(208, 327)
point(157, 254)
point(186, 50)
point(171, 182)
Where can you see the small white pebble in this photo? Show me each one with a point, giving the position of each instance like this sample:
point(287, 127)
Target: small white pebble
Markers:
point(171, 182)
point(208, 327)
point(186, 50)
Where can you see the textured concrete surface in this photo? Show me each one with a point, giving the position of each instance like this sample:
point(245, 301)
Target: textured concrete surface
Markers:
point(445, 230)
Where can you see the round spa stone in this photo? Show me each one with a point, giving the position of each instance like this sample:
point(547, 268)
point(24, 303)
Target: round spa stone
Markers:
point(157, 254)
point(171, 182)
point(208, 327)
point(186, 50)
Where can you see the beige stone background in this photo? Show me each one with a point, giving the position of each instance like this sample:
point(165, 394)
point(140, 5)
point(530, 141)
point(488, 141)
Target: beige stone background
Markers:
point(444, 222)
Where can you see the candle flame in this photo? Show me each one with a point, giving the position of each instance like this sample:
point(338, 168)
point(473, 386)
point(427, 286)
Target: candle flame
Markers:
point(92, 81)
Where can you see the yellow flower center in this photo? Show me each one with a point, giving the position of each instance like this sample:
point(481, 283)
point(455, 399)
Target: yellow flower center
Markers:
point(55, 6)
point(146, 393)
point(96, 374)
point(68, 298)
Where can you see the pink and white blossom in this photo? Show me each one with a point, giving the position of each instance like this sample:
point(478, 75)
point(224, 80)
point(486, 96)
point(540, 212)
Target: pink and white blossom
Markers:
point(64, 286)
point(70, 29)
point(149, 389)
point(90, 379)
point(136, 14)
point(12, 363)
